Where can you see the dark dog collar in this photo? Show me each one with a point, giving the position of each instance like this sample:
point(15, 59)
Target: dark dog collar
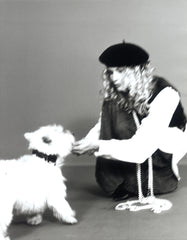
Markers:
point(48, 158)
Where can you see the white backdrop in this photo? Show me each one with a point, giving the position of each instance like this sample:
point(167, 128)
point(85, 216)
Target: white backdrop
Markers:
point(49, 69)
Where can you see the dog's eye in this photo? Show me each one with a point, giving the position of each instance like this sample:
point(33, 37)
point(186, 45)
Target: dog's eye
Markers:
point(46, 140)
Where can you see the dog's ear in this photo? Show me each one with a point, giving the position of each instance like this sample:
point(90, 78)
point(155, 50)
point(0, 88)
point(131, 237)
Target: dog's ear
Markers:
point(58, 128)
point(46, 140)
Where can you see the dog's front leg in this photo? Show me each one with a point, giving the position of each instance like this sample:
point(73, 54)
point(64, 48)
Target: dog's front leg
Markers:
point(62, 210)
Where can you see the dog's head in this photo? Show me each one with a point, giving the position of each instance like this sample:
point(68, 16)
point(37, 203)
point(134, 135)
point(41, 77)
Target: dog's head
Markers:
point(51, 140)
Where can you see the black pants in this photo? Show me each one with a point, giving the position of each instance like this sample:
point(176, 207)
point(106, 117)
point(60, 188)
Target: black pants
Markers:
point(118, 178)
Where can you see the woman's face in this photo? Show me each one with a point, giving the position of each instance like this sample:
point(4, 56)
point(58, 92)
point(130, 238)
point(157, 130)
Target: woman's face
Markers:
point(120, 76)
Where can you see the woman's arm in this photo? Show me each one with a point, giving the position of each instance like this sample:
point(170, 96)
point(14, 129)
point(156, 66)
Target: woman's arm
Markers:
point(148, 136)
point(94, 132)
point(89, 143)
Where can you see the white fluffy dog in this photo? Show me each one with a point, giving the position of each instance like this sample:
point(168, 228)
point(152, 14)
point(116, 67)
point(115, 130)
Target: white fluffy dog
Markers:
point(34, 182)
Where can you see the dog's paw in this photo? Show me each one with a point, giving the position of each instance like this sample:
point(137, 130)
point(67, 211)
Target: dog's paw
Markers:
point(36, 220)
point(70, 219)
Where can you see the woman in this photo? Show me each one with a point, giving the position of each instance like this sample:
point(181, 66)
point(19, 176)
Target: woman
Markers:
point(141, 117)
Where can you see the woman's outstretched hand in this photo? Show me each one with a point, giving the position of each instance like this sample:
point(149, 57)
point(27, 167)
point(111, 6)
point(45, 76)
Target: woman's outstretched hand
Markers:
point(85, 146)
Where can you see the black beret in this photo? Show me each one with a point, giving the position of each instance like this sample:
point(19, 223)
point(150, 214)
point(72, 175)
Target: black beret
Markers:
point(124, 54)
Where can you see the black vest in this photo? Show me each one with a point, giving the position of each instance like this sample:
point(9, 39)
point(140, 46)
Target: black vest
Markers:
point(117, 176)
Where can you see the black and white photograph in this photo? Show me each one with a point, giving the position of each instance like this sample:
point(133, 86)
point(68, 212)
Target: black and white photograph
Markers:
point(93, 123)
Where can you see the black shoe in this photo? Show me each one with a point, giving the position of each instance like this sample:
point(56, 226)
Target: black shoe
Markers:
point(122, 197)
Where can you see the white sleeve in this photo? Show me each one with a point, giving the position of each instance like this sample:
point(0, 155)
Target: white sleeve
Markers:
point(147, 137)
point(174, 142)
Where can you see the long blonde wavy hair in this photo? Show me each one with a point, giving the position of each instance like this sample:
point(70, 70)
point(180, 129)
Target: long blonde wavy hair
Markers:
point(138, 90)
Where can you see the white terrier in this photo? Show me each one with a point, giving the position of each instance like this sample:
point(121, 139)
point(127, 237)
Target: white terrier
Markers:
point(34, 182)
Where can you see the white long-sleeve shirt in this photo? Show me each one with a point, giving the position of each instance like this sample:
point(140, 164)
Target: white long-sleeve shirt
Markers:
point(153, 133)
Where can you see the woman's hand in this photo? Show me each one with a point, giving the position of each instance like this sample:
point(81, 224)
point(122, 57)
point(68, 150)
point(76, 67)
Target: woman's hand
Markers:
point(85, 146)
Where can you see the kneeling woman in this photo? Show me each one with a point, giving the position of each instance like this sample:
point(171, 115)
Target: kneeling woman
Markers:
point(141, 117)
